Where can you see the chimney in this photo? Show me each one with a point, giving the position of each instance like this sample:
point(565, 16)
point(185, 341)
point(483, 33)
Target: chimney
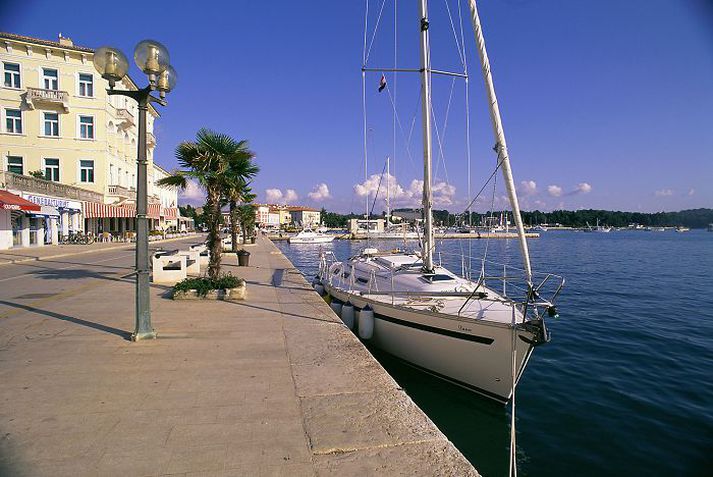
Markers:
point(63, 40)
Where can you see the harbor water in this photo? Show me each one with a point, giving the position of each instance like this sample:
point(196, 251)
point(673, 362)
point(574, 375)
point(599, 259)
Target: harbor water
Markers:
point(625, 387)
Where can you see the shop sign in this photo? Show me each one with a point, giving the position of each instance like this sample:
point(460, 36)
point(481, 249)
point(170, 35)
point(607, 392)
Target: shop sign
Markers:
point(52, 201)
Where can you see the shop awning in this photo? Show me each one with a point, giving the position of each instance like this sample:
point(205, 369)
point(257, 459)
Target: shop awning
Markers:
point(94, 210)
point(47, 211)
point(10, 201)
point(169, 213)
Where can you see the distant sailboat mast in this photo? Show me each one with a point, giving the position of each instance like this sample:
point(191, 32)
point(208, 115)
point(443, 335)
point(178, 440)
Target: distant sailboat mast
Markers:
point(500, 144)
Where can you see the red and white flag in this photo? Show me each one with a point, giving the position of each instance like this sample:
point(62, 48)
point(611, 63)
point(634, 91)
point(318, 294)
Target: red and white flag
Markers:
point(382, 83)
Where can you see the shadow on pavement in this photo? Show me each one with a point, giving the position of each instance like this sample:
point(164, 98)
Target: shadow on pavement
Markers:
point(77, 321)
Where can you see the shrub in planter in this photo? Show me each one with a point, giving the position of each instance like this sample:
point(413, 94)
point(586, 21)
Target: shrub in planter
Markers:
point(225, 287)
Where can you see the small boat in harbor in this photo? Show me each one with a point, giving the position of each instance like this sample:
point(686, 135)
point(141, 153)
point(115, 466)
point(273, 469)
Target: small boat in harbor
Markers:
point(308, 236)
point(681, 229)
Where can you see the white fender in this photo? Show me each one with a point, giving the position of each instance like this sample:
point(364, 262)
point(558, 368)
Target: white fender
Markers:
point(366, 323)
point(348, 315)
point(336, 307)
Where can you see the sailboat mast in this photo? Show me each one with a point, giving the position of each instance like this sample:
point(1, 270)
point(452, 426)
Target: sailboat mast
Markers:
point(500, 144)
point(388, 197)
point(426, 122)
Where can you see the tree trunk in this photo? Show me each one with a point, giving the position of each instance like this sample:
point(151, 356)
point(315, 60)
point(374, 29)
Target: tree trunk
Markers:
point(234, 225)
point(215, 244)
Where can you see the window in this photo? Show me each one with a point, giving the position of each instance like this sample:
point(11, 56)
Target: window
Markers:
point(52, 169)
point(86, 85)
point(13, 121)
point(51, 124)
point(86, 171)
point(51, 78)
point(111, 175)
point(14, 164)
point(86, 127)
point(12, 75)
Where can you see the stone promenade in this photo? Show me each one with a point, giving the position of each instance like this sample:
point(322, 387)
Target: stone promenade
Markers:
point(274, 385)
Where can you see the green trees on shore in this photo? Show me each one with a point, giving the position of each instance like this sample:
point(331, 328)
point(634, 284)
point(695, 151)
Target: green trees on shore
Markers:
point(693, 218)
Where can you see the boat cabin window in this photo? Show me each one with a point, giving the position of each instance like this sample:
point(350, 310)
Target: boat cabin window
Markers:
point(345, 275)
point(437, 277)
point(337, 271)
point(362, 280)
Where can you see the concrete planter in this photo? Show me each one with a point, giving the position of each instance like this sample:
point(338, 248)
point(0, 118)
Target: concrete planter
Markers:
point(226, 294)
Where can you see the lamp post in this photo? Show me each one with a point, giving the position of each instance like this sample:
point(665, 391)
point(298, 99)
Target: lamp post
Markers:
point(152, 58)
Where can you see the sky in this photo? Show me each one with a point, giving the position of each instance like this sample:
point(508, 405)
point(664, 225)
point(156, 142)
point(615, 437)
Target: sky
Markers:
point(606, 104)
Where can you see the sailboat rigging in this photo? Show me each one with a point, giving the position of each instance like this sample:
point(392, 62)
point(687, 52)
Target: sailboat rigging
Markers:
point(477, 331)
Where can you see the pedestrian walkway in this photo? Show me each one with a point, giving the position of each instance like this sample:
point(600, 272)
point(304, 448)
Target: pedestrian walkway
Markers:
point(275, 385)
point(28, 254)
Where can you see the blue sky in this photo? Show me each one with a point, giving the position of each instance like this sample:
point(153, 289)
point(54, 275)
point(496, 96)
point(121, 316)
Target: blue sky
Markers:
point(606, 104)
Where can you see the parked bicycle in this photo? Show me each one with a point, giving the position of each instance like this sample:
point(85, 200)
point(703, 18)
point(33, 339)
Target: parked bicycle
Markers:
point(78, 238)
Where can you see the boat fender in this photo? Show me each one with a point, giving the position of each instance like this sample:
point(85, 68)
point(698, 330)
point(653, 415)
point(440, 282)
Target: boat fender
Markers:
point(319, 288)
point(336, 306)
point(366, 323)
point(348, 315)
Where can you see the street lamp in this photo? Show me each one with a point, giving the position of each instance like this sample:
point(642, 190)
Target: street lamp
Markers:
point(152, 58)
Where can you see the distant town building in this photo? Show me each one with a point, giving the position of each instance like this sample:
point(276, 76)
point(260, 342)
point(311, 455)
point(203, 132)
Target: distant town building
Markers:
point(304, 216)
point(58, 122)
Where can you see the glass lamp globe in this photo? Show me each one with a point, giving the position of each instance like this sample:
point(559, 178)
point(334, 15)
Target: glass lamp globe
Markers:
point(151, 57)
point(167, 80)
point(111, 64)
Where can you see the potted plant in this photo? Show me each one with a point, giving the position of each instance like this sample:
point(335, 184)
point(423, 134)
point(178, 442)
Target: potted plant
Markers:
point(226, 287)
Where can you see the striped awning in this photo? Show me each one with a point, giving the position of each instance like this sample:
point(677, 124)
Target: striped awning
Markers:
point(95, 210)
point(169, 212)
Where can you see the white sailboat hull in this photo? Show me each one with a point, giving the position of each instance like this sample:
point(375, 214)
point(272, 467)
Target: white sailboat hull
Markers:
point(310, 239)
point(476, 355)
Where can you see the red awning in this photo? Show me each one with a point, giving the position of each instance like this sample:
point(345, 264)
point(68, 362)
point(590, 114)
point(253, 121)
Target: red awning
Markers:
point(10, 201)
point(170, 213)
point(96, 210)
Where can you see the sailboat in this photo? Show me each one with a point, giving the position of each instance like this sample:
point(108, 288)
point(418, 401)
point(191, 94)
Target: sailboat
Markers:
point(402, 231)
point(476, 332)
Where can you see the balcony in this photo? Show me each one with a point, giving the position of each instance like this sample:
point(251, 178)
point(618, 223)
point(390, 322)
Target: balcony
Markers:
point(125, 117)
point(9, 180)
point(38, 96)
point(122, 192)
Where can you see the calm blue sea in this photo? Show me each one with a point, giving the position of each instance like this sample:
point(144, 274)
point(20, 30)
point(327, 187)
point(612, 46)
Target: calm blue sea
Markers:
point(625, 387)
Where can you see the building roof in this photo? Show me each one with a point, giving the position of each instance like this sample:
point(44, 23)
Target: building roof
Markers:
point(299, 208)
point(38, 41)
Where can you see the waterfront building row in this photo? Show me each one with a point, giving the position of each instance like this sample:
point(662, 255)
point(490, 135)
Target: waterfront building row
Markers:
point(70, 148)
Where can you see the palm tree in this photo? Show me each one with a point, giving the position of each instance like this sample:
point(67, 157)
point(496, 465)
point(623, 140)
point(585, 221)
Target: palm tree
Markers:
point(246, 214)
point(241, 169)
point(207, 161)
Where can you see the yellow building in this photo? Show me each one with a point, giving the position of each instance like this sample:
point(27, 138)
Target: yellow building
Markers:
point(57, 121)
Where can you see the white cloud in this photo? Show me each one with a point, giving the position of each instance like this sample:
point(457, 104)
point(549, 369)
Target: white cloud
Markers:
point(291, 196)
point(554, 190)
point(273, 196)
point(691, 192)
point(443, 192)
point(276, 196)
point(527, 188)
point(320, 192)
point(192, 193)
point(583, 188)
point(664, 193)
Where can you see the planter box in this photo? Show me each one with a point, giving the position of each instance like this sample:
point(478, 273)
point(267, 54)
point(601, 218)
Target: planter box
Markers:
point(227, 294)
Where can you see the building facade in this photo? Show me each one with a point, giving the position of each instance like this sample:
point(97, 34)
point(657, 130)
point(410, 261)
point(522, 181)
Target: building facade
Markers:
point(305, 216)
point(58, 124)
